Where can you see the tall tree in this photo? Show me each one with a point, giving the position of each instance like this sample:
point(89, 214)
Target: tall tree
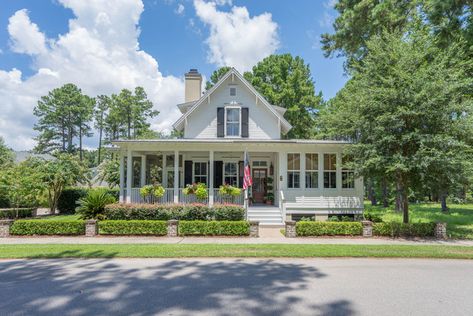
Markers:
point(215, 76)
point(100, 113)
point(62, 115)
point(410, 106)
point(286, 81)
point(6, 154)
point(84, 118)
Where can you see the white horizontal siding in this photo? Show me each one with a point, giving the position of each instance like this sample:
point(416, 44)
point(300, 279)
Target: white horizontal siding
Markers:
point(202, 122)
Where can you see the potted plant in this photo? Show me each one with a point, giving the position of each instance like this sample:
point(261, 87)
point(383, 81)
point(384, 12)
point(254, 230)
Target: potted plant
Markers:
point(151, 191)
point(269, 198)
point(229, 192)
point(197, 189)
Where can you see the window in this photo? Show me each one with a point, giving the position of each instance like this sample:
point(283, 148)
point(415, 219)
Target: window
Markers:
point(230, 173)
point(200, 172)
point(233, 121)
point(330, 171)
point(348, 175)
point(311, 171)
point(232, 92)
point(260, 163)
point(293, 171)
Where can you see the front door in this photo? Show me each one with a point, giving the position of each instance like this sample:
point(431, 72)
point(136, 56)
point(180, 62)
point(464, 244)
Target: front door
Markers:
point(259, 185)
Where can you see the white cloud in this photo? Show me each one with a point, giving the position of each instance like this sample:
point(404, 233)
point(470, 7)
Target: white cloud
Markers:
point(180, 9)
point(236, 39)
point(25, 36)
point(100, 53)
point(330, 4)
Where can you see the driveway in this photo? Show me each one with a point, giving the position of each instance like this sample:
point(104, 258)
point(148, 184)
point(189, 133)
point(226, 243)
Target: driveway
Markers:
point(236, 287)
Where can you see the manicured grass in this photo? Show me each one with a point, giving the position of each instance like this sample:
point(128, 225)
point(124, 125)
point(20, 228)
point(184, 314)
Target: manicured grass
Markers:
point(232, 250)
point(459, 219)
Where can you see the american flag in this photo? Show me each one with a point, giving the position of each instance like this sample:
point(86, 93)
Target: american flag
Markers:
point(247, 180)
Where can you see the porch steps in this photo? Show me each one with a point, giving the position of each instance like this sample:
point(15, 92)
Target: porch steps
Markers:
point(265, 215)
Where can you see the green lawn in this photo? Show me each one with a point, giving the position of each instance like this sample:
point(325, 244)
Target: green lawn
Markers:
point(232, 250)
point(459, 219)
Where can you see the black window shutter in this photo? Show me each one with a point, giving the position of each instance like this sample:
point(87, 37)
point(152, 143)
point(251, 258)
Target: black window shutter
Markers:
point(187, 172)
point(244, 122)
point(218, 173)
point(241, 171)
point(220, 122)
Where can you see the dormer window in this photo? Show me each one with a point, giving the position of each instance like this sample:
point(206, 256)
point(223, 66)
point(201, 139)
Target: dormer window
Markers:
point(232, 121)
point(232, 91)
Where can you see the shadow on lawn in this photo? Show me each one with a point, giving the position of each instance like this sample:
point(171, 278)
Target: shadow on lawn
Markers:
point(104, 287)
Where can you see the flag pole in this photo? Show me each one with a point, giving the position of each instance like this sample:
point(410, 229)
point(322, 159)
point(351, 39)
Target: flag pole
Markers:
point(246, 190)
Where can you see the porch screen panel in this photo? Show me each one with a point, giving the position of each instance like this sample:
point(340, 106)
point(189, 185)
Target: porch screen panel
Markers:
point(330, 171)
point(311, 171)
point(154, 169)
point(293, 171)
point(136, 183)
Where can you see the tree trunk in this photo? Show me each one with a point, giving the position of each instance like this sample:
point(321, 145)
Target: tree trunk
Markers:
point(404, 201)
point(443, 201)
point(398, 207)
point(371, 195)
point(385, 193)
point(100, 146)
point(80, 141)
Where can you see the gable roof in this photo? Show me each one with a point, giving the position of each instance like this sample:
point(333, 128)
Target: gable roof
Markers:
point(275, 110)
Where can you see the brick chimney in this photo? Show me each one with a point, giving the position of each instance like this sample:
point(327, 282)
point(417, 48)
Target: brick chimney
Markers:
point(193, 85)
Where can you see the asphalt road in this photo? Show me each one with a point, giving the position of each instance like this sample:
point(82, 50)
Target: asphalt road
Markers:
point(236, 287)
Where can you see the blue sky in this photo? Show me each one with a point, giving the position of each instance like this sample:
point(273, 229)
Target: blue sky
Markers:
point(124, 43)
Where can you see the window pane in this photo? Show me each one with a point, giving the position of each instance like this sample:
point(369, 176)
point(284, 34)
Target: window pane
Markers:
point(293, 180)
point(311, 161)
point(293, 162)
point(348, 180)
point(169, 160)
point(330, 161)
point(312, 179)
point(232, 92)
point(330, 180)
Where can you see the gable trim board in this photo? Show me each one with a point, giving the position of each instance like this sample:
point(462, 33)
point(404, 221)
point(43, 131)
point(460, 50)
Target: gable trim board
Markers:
point(285, 125)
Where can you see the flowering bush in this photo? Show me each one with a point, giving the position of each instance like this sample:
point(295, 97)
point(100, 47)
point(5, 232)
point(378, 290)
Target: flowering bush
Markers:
point(229, 192)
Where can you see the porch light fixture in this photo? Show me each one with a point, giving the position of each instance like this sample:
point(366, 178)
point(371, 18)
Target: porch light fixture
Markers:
point(280, 178)
point(271, 169)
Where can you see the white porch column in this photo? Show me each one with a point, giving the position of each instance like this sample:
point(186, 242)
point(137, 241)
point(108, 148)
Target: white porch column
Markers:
point(122, 178)
point(143, 171)
point(164, 173)
point(176, 176)
point(211, 178)
point(129, 174)
point(282, 167)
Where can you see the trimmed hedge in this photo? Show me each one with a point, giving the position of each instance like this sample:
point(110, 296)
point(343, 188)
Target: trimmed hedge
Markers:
point(189, 212)
point(328, 228)
point(11, 212)
point(396, 229)
point(46, 227)
point(214, 228)
point(133, 227)
point(67, 201)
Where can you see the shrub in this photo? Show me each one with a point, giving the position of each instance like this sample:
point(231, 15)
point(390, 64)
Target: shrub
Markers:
point(333, 219)
point(67, 202)
point(198, 189)
point(124, 211)
point(328, 228)
point(214, 228)
point(372, 217)
point(46, 227)
point(396, 229)
point(16, 213)
point(133, 227)
point(93, 204)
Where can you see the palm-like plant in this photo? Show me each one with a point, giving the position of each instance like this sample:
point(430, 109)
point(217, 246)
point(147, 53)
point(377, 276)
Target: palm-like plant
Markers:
point(93, 204)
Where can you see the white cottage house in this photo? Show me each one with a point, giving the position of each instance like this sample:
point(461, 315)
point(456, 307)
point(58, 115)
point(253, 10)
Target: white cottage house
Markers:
point(307, 176)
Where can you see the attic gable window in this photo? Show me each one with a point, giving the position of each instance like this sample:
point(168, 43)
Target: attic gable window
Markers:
point(232, 91)
point(232, 121)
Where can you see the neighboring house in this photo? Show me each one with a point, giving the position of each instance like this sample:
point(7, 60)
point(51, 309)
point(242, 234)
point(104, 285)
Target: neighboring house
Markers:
point(219, 127)
point(21, 156)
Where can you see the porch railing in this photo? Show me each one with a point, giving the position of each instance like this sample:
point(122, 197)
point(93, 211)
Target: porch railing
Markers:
point(191, 198)
point(136, 197)
point(218, 198)
point(282, 204)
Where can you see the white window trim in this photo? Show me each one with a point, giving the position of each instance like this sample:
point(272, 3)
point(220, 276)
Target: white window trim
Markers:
point(342, 169)
point(337, 168)
point(311, 170)
point(293, 170)
point(225, 120)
